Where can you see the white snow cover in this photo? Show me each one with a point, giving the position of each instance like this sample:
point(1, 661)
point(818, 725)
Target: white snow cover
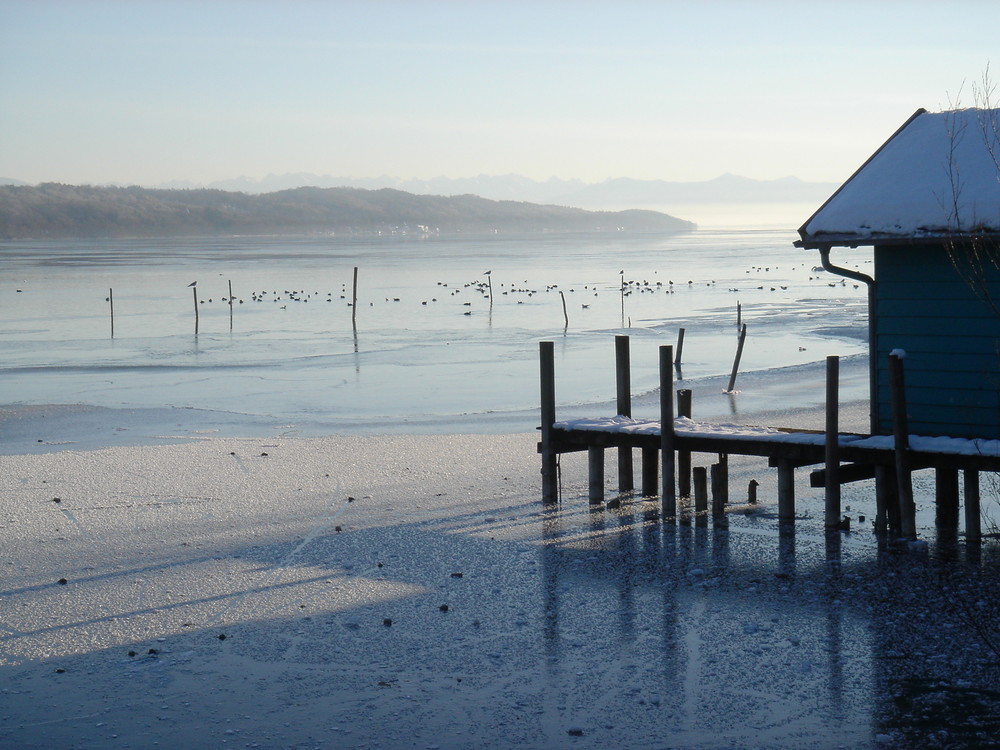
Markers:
point(687, 427)
point(938, 174)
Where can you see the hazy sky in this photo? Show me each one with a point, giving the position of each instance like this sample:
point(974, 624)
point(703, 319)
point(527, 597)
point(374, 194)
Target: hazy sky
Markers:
point(149, 91)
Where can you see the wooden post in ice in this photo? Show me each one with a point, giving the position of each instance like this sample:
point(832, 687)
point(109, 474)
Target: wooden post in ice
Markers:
point(565, 314)
point(901, 439)
point(354, 301)
point(832, 452)
point(668, 495)
point(736, 362)
point(700, 489)
point(739, 314)
point(684, 457)
point(623, 383)
point(680, 348)
point(546, 362)
point(194, 292)
point(595, 464)
point(786, 489)
point(111, 301)
point(973, 524)
point(230, 304)
point(720, 493)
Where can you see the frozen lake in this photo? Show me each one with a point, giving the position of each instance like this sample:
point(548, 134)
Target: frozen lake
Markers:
point(430, 345)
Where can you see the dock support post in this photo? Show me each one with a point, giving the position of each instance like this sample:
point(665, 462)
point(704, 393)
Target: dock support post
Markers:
point(650, 472)
point(946, 501)
point(684, 457)
point(901, 439)
point(680, 347)
point(546, 359)
point(832, 453)
point(720, 492)
point(623, 383)
point(884, 493)
point(668, 495)
point(595, 461)
point(700, 475)
point(973, 522)
point(786, 490)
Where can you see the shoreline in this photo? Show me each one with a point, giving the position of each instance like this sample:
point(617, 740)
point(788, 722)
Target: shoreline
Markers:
point(781, 394)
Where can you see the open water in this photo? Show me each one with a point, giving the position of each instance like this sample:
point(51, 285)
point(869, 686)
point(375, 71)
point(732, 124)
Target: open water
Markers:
point(427, 341)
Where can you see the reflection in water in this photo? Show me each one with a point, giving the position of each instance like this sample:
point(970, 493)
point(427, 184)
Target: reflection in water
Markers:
point(799, 634)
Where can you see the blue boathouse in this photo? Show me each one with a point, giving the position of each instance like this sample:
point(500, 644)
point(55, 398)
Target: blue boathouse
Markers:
point(928, 203)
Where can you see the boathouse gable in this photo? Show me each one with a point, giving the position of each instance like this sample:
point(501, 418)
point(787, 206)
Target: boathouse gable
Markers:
point(928, 202)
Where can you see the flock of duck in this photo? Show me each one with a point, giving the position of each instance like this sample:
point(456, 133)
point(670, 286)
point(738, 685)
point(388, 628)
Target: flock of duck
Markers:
point(486, 292)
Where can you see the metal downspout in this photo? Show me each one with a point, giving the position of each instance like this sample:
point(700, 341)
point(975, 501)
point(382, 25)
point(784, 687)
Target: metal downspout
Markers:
point(824, 254)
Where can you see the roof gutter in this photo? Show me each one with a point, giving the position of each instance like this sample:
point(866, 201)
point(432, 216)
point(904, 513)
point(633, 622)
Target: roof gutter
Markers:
point(824, 254)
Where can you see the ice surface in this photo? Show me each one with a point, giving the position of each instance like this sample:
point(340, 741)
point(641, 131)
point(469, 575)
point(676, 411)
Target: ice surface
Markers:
point(412, 591)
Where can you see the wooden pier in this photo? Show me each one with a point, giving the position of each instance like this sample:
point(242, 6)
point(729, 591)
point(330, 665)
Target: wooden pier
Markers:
point(840, 457)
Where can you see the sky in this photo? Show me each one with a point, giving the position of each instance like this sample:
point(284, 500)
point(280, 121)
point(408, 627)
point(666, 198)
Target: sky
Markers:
point(148, 92)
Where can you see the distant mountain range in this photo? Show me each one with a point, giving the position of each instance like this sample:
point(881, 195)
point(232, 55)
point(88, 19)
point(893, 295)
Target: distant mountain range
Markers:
point(610, 194)
point(52, 210)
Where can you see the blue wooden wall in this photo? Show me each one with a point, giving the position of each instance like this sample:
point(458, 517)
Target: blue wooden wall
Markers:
point(952, 340)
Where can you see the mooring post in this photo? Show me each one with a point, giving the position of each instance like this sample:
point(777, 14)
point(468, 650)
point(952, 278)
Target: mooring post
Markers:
point(354, 301)
point(901, 441)
point(700, 475)
point(546, 361)
point(595, 464)
point(623, 382)
point(739, 314)
point(720, 491)
point(973, 523)
point(832, 453)
point(669, 480)
point(786, 490)
point(565, 314)
point(684, 457)
point(194, 293)
point(885, 495)
point(650, 472)
point(946, 501)
point(111, 301)
point(736, 362)
point(230, 304)
point(680, 347)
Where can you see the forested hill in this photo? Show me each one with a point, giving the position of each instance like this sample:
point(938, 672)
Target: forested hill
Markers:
point(66, 211)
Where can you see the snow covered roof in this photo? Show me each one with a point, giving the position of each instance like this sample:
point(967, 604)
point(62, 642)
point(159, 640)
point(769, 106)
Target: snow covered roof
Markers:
point(937, 176)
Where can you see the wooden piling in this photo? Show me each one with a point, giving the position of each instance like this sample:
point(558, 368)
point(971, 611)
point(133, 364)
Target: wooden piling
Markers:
point(736, 362)
point(354, 301)
point(786, 490)
point(680, 347)
point(700, 476)
point(230, 304)
point(739, 314)
point(684, 457)
point(194, 293)
point(973, 522)
point(595, 463)
point(623, 384)
point(668, 495)
point(546, 359)
point(832, 453)
point(720, 491)
point(901, 441)
point(111, 301)
point(946, 501)
point(650, 472)
point(565, 314)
